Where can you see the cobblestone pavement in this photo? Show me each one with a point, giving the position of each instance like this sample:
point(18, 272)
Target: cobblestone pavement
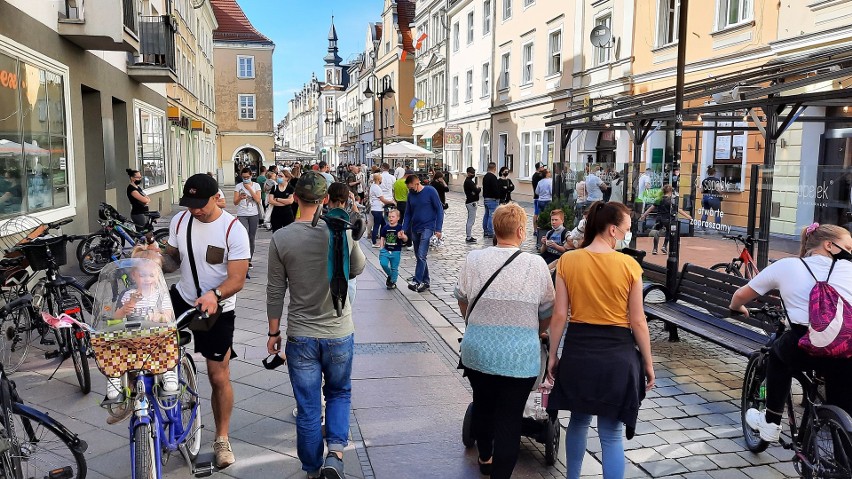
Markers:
point(689, 425)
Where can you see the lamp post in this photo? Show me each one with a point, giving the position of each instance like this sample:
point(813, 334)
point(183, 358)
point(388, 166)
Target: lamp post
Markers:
point(386, 91)
point(336, 121)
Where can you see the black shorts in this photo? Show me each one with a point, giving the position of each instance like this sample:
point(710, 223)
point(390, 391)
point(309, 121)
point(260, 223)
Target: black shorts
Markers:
point(213, 344)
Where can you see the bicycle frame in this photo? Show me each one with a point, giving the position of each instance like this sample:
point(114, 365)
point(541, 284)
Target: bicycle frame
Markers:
point(165, 424)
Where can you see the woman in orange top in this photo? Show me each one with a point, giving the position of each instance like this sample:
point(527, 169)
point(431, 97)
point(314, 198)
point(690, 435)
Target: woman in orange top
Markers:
point(601, 373)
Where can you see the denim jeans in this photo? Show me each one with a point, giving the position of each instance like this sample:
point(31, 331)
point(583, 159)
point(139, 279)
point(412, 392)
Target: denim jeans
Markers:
point(471, 219)
point(609, 431)
point(711, 203)
point(488, 216)
point(389, 260)
point(378, 222)
point(421, 249)
point(309, 360)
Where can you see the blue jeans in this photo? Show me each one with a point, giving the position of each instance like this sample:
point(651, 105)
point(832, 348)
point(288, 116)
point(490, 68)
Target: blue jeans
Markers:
point(609, 431)
point(309, 360)
point(378, 222)
point(711, 203)
point(488, 216)
point(390, 263)
point(421, 249)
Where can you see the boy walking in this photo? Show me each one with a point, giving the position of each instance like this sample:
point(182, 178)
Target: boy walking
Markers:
point(391, 245)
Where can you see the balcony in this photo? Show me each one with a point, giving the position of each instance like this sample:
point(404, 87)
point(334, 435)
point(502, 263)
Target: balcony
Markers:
point(155, 62)
point(99, 24)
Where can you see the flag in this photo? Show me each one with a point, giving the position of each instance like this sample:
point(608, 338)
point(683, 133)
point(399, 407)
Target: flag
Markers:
point(420, 104)
point(404, 54)
point(414, 102)
point(420, 40)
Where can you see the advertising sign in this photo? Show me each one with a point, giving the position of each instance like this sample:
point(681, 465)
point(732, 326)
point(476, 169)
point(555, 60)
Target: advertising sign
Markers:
point(452, 138)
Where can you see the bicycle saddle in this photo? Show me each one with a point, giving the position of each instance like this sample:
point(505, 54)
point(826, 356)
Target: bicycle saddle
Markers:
point(154, 215)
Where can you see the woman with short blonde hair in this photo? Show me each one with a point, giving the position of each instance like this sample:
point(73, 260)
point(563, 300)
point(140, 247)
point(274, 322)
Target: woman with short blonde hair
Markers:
point(377, 206)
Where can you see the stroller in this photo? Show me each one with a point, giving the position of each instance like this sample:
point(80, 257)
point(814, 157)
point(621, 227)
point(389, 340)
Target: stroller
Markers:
point(538, 423)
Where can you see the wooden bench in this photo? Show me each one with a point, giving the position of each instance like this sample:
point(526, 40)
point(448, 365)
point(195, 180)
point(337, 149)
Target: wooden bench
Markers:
point(700, 306)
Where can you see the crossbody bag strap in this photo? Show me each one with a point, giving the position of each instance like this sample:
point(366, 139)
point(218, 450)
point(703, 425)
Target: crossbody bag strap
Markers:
point(191, 255)
point(488, 283)
point(811, 272)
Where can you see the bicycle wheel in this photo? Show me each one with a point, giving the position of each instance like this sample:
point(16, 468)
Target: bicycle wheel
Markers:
point(827, 444)
point(727, 268)
point(754, 381)
point(93, 259)
point(77, 350)
point(188, 404)
point(46, 446)
point(161, 236)
point(15, 332)
point(10, 457)
point(94, 240)
point(144, 458)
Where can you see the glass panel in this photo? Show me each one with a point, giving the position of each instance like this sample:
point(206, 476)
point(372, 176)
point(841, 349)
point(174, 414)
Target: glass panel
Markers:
point(11, 148)
point(150, 148)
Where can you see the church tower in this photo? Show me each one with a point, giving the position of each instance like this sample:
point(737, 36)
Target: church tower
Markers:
point(333, 70)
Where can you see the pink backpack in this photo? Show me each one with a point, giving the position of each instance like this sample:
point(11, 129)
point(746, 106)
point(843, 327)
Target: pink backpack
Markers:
point(830, 321)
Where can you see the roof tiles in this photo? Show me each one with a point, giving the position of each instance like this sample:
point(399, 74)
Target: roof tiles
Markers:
point(234, 26)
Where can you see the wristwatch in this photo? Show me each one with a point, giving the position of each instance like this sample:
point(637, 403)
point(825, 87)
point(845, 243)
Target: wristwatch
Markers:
point(218, 294)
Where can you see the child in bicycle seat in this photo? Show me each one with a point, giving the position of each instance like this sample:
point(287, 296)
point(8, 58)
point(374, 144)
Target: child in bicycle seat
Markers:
point(148, 301)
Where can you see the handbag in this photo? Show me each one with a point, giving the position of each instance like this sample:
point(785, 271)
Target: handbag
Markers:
point(199, 322)
point(482, 290)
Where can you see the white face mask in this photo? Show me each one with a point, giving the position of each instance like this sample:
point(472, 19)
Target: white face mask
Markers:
point(624, 243)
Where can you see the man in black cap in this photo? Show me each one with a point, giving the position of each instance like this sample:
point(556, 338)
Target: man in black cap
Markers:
point(211, 249)
point(319, 343)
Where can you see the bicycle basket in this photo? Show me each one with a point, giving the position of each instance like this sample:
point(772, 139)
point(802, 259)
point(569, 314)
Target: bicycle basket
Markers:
point(36, 252)
point(18, 229)
point(152, 349)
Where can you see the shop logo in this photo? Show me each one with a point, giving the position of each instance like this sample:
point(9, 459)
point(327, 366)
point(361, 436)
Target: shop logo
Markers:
point(9, 80)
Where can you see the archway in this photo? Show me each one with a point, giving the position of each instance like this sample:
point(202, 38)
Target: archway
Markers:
point(247, 156)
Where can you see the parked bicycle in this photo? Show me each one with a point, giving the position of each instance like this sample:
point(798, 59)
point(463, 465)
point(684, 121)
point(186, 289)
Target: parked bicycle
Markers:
point(822, 439)
point(34, 445)
point(743, 266)
point(116, 239)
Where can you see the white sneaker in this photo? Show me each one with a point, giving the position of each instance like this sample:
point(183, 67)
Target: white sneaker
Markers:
point(756, 420)
point(409, 248)
point(113, 389)
point(375, 245)
point(170, 382)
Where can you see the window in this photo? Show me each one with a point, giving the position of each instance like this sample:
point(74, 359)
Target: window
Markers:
point(549, 148)
point(456, 40)
point(470, 28)
point(507, 9)
point(485, 151)
point(486, 17)
point(602, 54)
point(245, 66)
point(667, 21)
point(455, 90)
point(527, 3)
point(555, 49)
point(33, 138)
point(504, 71)
point(486, 79)
point(150, 145)
point(246, 107)
point(468, 96)
point(536, 149)
point(424, 29)
point(527, 64)
point(468, 149)
point(732, 12)
point(438, 33)
point(526, 156)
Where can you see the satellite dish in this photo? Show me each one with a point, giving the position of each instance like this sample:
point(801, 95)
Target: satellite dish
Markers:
point(601, 36)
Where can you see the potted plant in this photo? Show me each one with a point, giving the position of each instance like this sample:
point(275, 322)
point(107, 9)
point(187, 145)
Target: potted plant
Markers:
point(558, 203)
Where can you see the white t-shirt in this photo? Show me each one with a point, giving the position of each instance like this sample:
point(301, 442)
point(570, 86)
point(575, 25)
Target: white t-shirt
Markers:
point(791, 278)
point(399, 172)
point(387, 185)
point(593, 188)
point(375, 192)
point(206, 236)
point(247, 206)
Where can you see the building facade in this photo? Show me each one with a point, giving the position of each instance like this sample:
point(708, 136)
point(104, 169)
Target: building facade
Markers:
point(303, 119)
point(191, 101)
point(336, 80)
point(82, 98)
point(242, 58)
point(430, 75)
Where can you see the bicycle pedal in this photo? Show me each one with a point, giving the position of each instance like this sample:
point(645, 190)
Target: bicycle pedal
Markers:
point(47, 342)
point(52, 354)
point(204, 469)
point(61, 473)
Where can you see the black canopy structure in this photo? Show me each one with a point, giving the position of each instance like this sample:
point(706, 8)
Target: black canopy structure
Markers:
point(772, 96)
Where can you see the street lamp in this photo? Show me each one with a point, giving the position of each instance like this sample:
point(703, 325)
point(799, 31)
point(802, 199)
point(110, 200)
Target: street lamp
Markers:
point(336, 121)
point(385, 92)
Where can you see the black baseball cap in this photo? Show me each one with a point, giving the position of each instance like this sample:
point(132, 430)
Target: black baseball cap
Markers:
point(538, 165)
point(198, 190)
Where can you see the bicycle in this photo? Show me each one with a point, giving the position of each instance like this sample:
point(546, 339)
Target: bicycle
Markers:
point(15, 317)
point(34, 445)
point(743, 266)
point(822, 441)
point(116, 238)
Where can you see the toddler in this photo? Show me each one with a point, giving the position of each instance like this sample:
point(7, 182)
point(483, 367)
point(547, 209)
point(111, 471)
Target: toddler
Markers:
point(390, 242)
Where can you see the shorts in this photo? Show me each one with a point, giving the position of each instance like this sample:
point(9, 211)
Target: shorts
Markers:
point(540, 205)
point(213, 344)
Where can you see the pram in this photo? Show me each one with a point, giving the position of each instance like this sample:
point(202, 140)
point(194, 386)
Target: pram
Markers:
point(538, 423)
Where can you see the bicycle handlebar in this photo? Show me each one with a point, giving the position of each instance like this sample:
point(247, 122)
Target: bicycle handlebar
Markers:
point(187, 317)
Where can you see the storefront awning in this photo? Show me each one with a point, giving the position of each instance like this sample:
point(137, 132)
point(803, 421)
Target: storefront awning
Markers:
point(428, 131)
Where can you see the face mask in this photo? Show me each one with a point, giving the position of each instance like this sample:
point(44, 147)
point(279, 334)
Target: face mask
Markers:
point(842, 254)
point(412, 190)
point(137, 182)
point(246, 180)
point(280, 180)
point(505, 175)
point(625, 243)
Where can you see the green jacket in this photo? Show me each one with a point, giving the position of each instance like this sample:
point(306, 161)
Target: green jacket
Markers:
point(400, 190)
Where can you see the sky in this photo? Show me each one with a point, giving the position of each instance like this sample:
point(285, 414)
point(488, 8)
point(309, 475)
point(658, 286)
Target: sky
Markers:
point(299, 29)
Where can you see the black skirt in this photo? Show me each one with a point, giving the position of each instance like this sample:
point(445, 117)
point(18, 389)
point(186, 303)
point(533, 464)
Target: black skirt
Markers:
point(600, 373)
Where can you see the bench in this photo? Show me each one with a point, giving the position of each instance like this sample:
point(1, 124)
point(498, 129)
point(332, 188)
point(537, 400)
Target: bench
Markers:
point(700, 306)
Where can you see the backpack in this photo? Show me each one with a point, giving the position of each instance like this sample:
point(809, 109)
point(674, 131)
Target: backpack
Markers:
point(829, 321)
point(562, 236)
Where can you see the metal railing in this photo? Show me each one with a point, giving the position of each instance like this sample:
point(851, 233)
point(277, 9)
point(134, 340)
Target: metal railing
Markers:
point(131, 20)
point(156, 42)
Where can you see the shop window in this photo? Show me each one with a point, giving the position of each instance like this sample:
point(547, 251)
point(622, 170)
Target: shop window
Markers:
point(150, 145)
point(729, 144)
point(33, 138)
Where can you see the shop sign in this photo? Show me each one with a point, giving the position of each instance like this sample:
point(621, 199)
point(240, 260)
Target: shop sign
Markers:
point(452, 138)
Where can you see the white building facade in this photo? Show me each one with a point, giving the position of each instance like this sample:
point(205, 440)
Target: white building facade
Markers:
point(430, 74)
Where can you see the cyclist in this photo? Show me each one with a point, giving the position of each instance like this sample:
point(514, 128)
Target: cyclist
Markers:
point(821, 248)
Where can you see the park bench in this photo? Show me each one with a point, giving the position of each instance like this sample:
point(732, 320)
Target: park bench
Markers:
point(700, 306)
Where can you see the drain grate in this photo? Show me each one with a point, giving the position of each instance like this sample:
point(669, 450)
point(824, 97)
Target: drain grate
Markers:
point(392, 348)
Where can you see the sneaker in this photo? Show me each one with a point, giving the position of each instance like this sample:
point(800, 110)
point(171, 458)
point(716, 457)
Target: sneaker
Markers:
point(170, 382)
point(418, 287)
point(392, 286)
point(654, 251)
point(409, 248)
point(756, 420)
point(224, 455)
point(375, 245)
point(471, 240)
point(250, 265)
point(388, 282)
point(114, 388)
point(663, 249)
point(332, 468)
